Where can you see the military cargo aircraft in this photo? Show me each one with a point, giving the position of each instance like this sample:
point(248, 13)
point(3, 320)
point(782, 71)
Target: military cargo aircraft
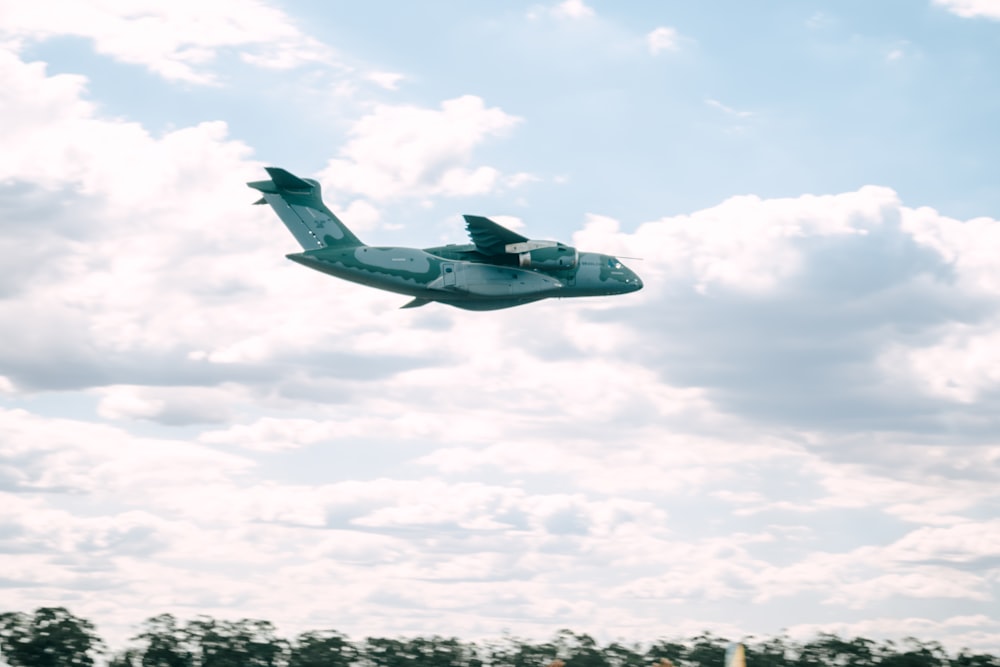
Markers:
point(499, 269)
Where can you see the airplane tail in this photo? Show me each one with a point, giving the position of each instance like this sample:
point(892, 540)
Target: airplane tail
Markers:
point(735, 656)
point(299, 204)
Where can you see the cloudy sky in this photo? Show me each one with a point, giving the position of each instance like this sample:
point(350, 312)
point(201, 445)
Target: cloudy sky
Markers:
point(795, 425)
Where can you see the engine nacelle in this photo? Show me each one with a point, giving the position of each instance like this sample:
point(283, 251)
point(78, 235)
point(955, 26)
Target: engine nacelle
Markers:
point(555, 257)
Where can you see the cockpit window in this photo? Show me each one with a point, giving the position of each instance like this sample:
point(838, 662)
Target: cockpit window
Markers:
point(614, 263)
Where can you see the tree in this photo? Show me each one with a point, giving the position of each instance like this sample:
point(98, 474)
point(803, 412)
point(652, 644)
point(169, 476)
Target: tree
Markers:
point(829, 649)
point(920, 654)
point(165, 643)
point(440, 652)
point(707, 650)
point(244, 643)
point(127, 658)
point(15, 634)
point(662, 649)
point(383, 652)
point(322, 649)
point(51, 637)
point(620, 655)
point(513, 652)
point(965, 659)
point(579, 650)
point(774, 652)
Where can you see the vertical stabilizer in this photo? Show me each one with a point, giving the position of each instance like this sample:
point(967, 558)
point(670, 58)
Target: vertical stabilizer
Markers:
point(299, 204)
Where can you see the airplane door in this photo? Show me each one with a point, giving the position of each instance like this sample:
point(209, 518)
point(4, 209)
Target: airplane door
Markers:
point(448, 275)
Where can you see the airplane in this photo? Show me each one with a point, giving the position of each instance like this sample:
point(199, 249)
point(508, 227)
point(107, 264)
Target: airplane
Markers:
point(499, 269)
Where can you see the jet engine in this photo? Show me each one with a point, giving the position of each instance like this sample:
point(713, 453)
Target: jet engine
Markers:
point(544, 255)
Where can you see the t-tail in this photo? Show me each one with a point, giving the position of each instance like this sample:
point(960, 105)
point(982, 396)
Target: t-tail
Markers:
point(735, 656)
point(299, 204)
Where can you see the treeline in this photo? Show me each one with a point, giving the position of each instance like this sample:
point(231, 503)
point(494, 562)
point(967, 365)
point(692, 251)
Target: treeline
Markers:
point(53, 637)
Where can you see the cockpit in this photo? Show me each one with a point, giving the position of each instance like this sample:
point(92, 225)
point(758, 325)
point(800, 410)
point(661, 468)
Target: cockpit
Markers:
point(616, 275)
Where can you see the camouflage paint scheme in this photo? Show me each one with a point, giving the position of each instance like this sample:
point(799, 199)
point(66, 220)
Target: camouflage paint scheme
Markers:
point(499, 269)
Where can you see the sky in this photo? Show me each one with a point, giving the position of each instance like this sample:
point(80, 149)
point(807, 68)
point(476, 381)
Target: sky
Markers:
point(794, 427)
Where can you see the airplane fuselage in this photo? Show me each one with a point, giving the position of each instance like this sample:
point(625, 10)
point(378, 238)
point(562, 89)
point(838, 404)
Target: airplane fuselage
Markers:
point(461, 276)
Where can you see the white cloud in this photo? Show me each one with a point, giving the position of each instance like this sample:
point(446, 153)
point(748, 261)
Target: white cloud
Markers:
point(522, 178)
point(53, 136)
point(270, 434)
point(961, 363)
point(168, 405)
point(177, 40)
point(662, 39)
point(961, 367)
point(557, 465)
point(508, 221)
point(963, 244)
point(972, 8)
point(387, 80)
point(82, 457)
point(820, 20)
point(729, 110)
point(573, 9)
point(921, 497)
point(413, 151)
point(361, 215)
point(744, 243)
point(162, 286)
point(963, 542)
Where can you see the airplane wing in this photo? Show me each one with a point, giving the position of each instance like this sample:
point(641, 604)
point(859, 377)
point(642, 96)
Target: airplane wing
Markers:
point(489, 237)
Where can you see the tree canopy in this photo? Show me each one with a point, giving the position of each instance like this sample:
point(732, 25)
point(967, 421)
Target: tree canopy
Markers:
point(53, 637)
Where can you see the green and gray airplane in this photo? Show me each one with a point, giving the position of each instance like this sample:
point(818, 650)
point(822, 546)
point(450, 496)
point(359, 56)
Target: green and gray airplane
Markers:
point(499, 269)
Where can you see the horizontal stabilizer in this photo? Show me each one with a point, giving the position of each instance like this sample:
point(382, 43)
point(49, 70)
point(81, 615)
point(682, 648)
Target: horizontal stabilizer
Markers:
point(260, 201)
point(287, 181)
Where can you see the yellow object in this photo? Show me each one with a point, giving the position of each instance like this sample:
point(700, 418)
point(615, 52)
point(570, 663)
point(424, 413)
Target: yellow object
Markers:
point(735, 657)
